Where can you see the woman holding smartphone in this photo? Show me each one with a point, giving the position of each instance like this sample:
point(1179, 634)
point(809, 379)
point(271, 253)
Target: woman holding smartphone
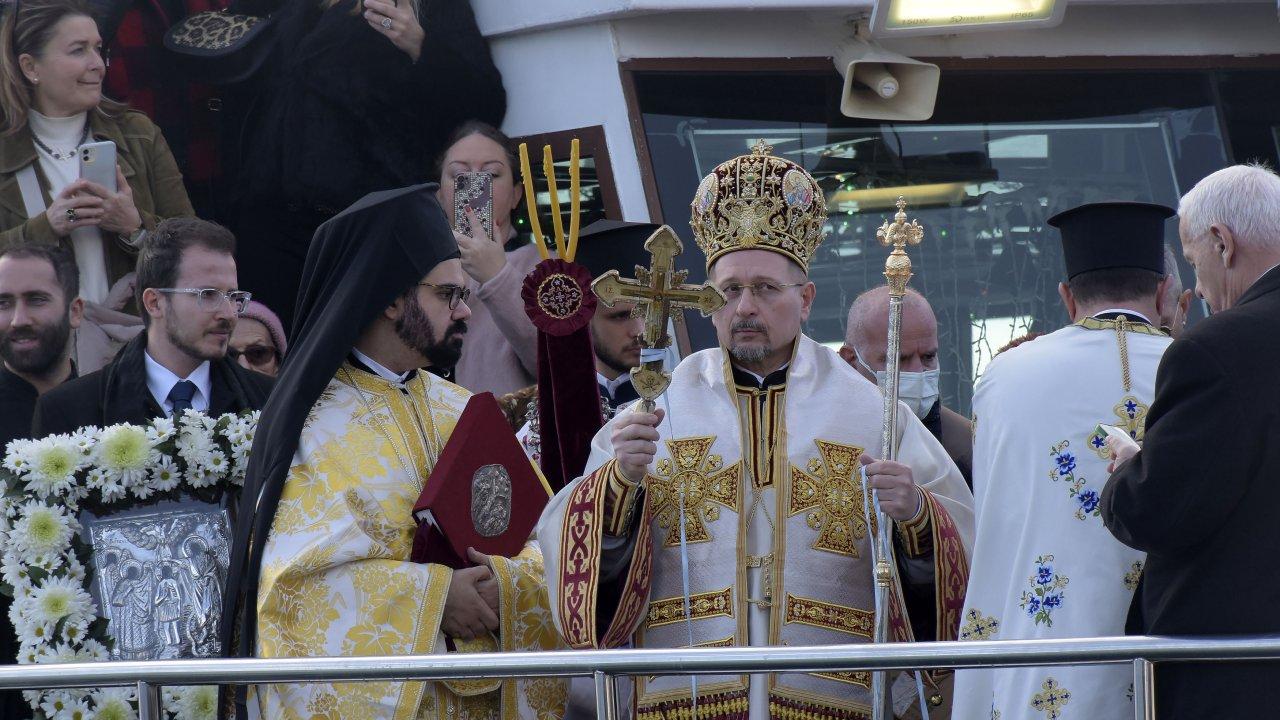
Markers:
point(500, 353)
point(51, 103)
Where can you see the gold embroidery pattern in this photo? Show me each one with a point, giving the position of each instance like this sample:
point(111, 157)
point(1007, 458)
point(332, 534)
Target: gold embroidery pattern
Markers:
point(978, 626)
point(829, 616)
point(1051, 699)
point(1133, 419)
point(1131, 578)
point(716, 603)
point(831, 497)
point(705, 483)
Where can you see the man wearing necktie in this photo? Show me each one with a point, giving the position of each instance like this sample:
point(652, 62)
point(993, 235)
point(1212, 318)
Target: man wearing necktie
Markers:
point(188, 290)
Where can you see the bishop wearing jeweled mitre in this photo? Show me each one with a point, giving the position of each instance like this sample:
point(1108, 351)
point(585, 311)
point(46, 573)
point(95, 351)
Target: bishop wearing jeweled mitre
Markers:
point(761, 441)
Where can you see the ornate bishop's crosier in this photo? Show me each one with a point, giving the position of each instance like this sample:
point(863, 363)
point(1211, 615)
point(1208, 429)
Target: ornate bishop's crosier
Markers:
point(897, 271)
point(657, 291)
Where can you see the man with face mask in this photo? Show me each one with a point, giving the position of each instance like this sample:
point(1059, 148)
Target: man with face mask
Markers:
point(1044, 567)
point(866, 339)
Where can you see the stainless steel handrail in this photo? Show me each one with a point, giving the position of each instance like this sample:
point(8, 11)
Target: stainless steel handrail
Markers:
point(605, 665)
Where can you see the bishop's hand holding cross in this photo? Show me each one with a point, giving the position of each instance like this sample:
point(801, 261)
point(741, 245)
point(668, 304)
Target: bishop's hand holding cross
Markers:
point(657, 291)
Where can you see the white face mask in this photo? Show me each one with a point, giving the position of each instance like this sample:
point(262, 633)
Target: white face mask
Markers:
point(919, 390)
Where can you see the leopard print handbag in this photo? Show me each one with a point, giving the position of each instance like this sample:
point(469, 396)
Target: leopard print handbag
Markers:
point(219, 47)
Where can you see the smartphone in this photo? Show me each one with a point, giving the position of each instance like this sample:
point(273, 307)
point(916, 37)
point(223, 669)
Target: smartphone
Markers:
point(98, 163)
point(473, 190)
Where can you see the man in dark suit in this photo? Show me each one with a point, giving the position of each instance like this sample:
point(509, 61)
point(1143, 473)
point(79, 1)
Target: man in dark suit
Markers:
point(187, 289)
point(1202, 494)
point(39, 307)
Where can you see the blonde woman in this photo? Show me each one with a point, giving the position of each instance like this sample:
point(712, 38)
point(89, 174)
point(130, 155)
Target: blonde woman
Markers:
point(51, 102)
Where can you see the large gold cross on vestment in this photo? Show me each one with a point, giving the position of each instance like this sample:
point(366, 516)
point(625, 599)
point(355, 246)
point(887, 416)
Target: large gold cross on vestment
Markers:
point(658, 291)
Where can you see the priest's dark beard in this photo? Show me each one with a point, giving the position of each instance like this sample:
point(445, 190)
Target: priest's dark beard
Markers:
point(416, 330)
point(611, 359)
point(51, 342)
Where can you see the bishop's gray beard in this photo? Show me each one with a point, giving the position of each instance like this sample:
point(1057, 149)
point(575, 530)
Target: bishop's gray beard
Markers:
point(750, 354)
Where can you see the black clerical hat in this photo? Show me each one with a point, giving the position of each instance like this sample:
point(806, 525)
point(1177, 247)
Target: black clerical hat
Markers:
point(1104, 235)
point(606, 245)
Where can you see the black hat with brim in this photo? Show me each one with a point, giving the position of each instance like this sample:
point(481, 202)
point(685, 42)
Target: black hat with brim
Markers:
point(1113, 235)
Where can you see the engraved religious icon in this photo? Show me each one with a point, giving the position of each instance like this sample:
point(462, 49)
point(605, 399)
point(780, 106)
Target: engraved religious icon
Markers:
point(491, 500)
point(159, 580)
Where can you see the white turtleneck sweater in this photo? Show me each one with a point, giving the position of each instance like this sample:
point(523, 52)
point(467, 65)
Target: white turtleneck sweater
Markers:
point(63, 136)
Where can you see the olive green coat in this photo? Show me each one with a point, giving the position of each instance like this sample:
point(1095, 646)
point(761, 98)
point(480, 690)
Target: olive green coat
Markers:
point(145, 160)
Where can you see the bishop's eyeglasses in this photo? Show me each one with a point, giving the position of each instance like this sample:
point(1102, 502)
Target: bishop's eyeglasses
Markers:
point(454, 294)
point(764, 291)
point(210, 299)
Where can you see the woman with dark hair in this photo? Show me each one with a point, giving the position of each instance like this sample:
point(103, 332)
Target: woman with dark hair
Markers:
point(358, 96)
point(500, 354)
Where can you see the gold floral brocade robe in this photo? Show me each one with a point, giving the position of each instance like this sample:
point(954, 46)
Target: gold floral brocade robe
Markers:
point(336, 578)
point(777, 540)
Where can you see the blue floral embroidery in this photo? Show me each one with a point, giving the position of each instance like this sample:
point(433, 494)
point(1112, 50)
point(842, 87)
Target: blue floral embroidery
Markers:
point(1064, 469)
point(1047, 592)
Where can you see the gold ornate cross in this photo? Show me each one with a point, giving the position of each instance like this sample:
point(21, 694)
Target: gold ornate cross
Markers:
point(657, 292)
point(831, 498)
point(899, 233)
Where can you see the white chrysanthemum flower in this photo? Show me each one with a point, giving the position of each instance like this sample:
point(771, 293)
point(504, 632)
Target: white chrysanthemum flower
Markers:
point(62, 597)
point(113, 491)
point(54, 462)
point(217, 463)
point(114, 704)
point(41, 531)
point(92, 650)
point(194, 444)
point(125, 452)
point(17, 455)
point(198, 703)
point(165, 474)
point(56, 701)
point(13, 570)
point(142, 491)
point(77, 710)
point(96, 478)
point(84, 439)
point(160, 430)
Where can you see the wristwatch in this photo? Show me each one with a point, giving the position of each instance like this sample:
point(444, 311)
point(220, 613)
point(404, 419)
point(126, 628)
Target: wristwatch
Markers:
point(134, 239)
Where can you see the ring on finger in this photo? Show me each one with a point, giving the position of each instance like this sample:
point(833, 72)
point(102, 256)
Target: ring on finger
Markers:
point(386, 23)
point(71, 214)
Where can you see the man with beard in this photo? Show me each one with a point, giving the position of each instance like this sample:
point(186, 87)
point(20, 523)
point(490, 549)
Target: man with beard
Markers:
point(321, 564)
point(39, 308)
point(187, 289)
point(733, 516)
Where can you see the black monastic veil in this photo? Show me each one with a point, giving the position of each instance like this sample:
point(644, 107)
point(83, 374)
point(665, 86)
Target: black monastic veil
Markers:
point(359, 262)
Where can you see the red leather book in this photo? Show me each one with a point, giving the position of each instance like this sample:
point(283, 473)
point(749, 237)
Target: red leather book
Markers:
point(483, 492)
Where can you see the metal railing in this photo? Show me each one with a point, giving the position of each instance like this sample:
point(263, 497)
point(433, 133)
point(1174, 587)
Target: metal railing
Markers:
point(604, 666)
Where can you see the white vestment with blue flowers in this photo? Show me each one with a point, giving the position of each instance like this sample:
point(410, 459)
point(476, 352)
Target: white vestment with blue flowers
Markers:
point(1043, 564)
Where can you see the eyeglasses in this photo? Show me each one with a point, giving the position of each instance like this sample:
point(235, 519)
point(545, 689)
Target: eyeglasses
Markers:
point(210, 299)
point(455, 295)
point(257, 355)
point(764, 291)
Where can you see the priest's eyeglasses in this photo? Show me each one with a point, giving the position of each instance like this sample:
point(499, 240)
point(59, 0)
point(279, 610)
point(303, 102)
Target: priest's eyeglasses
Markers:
point(764, 291)
point(210, 299)
point(453, 293)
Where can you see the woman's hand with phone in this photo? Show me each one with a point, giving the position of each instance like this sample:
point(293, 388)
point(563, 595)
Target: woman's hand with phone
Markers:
point(482, 258)
point(73, 208)
point(398, 23)
point(119, 214)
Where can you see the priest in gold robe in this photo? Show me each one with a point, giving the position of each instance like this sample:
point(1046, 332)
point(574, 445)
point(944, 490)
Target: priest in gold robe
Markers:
point(760, 442)
point(322, 558)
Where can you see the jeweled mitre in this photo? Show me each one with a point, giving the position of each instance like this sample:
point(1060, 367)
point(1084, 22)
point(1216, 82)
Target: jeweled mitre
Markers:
point(759, 201)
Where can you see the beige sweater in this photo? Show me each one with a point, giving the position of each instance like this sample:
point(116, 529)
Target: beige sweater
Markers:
point(500, 352)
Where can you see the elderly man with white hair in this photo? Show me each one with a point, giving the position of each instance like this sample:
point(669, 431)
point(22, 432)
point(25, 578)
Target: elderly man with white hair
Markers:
point(1201, 497)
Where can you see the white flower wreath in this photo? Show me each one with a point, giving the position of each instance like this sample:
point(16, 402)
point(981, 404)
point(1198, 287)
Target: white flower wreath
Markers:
point(43, 485)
